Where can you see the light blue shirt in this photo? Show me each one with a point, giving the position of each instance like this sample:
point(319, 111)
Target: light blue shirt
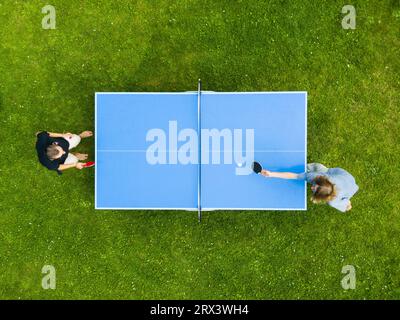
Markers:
point(345, 184)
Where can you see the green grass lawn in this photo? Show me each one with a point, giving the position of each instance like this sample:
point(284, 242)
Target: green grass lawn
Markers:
point(48, 79)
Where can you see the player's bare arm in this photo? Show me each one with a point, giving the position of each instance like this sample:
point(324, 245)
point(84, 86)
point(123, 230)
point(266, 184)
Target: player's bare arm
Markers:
point(281, 175)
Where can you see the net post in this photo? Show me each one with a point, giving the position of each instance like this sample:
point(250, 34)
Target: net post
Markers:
point(199, 150)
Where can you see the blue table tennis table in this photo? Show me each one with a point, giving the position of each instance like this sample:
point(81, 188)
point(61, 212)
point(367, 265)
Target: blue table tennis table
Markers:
point(151, 152)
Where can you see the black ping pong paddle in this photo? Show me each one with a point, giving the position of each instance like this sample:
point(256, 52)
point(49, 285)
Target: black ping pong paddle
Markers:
point(256, 167)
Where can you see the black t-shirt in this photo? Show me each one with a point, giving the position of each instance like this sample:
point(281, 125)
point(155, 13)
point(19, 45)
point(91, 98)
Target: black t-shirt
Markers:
point(43, 141)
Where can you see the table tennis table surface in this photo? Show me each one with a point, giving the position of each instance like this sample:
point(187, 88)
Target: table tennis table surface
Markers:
point(125, 180)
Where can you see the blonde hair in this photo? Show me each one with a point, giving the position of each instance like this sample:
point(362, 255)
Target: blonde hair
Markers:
point(325, 192)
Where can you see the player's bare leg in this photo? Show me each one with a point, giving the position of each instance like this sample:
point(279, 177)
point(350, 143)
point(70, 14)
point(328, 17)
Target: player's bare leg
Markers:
point(81, 156)
point(86, 134)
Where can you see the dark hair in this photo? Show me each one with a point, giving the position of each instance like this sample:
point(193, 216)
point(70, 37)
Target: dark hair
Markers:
point(52, 152)
point(325, 190)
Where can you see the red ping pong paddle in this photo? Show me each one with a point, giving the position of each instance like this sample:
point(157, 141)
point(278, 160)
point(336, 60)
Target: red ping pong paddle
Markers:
point(88, 164)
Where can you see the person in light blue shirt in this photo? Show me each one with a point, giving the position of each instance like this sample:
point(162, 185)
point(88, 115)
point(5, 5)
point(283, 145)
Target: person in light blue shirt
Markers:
point(334, 186)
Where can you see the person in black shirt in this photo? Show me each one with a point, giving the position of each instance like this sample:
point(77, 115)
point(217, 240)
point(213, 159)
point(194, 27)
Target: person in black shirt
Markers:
point(53, 150)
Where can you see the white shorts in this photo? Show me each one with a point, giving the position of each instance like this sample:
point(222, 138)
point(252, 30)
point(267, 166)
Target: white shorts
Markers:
point(73, 140)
